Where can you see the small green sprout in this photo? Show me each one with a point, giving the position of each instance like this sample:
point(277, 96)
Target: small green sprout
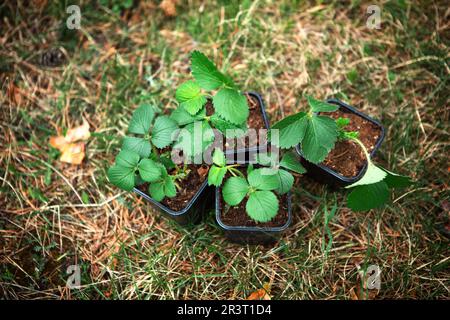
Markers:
point(259, 187)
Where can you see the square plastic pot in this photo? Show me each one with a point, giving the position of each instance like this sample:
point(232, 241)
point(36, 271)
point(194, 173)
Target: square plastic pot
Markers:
point(328, 176)
point(251, 235)
point(200, 204)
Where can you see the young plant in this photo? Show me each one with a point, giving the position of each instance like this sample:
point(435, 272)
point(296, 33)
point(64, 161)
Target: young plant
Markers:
point(148, 131)
point(260, 185)
point(372, 190)
point(315, 133)
point(143, 159)
point(130, 170)
point(262, 203)
point(230, 106)
point(140, 160)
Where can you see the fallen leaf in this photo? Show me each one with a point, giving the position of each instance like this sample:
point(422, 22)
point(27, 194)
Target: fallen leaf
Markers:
point(168, 6)
point(261, 294)
point(78, 133)
point(57, 142)
point(72, 151)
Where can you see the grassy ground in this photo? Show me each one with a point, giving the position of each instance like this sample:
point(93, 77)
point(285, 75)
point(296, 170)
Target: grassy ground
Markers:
point(53, 215)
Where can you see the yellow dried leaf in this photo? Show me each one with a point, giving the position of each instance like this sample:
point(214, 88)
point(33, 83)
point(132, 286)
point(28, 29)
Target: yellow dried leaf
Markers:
point(261, 294)
point(78, 133)
point(58, 142)
point(73, 153)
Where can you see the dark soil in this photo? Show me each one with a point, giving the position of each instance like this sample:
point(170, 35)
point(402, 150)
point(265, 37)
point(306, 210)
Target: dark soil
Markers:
point(237, 216)
point(347, 158)
point(188, 187)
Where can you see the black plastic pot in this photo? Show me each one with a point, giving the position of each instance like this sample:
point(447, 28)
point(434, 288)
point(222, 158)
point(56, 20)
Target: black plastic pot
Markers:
point(328, 176)
point(251, 235)
point(248, 153)
point(200, 204)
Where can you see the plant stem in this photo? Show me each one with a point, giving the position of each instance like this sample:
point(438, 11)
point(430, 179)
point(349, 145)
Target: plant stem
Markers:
point(363, 147)
point(235, 172)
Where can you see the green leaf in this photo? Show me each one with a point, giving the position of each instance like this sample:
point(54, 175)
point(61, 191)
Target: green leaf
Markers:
point(372, 175)
point(262, 206)
point(285, 181)
point(127, 159)
point(142, 119)
point(231, 105)
point(169, 187)
point(320, 106)
point(156, 190)
point(227, 128)
point(291, 130)
point(394, 180)
point(215, 175)
point(234, 190)
point(182, 117)
point(250, 168)
point(270, 171)
point(370, 196)
point(261, 181)
point(149, 170)
point(266, 159)
point(218, 158)
point(190, 97)
point(321, 134)
point(139, 145)
point(163, 188)
point(163, 131)
point(195, 138)
point(122, 177)
point(122, 174)
point(167, 162)
point(291, 162)
point(206, 73)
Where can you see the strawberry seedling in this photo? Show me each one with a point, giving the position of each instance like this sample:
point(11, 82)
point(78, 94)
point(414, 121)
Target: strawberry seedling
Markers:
point(145, 156)
point(229, 104)
point(317, 134)
point(261, 187)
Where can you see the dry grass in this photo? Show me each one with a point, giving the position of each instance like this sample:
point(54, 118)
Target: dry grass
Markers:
point(53, 215)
